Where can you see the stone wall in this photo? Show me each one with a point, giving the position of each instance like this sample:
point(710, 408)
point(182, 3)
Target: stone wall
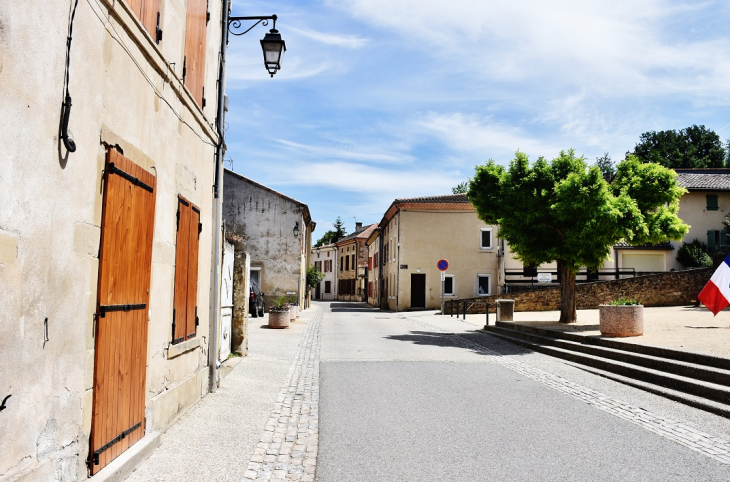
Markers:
point(674, 288)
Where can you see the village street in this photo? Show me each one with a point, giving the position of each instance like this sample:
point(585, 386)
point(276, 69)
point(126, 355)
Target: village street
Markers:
point(376, 395)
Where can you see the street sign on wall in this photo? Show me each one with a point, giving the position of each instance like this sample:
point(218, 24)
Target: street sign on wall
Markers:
point(442, 265)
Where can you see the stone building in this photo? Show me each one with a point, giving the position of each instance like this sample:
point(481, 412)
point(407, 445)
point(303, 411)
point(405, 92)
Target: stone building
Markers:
point(414, 234)
point(106, 229)
point(324, 259)
point(275, 231)
point(352, 254)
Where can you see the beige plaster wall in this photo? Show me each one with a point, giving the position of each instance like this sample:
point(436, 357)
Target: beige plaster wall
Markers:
point(427, 236)
point(50, 212)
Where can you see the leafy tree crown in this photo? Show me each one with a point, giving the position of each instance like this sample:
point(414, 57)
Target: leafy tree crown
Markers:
point(564, 211)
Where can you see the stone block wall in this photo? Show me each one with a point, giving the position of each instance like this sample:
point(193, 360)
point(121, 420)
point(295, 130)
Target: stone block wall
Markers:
point(673, 288)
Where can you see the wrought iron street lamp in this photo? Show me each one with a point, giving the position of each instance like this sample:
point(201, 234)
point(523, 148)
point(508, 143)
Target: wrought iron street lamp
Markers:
point(272, 44)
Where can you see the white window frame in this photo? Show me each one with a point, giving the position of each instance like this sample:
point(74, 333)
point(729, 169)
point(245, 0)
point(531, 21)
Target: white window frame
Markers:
point(453, 285)
point(491, 239)
point(484, 275)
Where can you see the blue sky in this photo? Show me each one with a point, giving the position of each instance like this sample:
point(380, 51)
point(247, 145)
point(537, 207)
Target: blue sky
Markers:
point(382, 99)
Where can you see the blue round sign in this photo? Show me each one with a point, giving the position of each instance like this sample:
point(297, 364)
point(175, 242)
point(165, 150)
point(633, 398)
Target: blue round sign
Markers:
point(442, 265)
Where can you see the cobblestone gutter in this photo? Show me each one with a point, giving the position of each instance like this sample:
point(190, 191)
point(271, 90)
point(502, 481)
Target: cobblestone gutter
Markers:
point(287, 450)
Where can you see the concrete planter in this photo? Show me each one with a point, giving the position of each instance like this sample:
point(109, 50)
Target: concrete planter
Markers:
point(279, 319)
point(292, 312)
point(621, 321)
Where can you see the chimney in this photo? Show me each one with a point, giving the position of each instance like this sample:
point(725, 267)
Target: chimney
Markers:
point(358, 227)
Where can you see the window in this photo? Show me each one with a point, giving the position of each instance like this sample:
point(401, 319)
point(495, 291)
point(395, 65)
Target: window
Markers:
point(353, 261)
point(341, 263)
point(716, 240)
point(449, 285)
point(712, 202)
point(347, 263)
point(485, 238)
point(327, 286)
point(185, 309)
point(194, 60)
point(484, 283)
point(147, 12)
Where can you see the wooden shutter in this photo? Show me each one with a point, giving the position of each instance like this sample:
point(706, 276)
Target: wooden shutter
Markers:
point(147, 12)
point(194, 70)
point(184, 317)
point(711, 245)
point(120, 356)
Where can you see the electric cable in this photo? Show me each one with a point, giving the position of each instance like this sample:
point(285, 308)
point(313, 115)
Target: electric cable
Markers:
point(66, 106)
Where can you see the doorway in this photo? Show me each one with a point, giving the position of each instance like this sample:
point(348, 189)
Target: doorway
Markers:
point(418, 290)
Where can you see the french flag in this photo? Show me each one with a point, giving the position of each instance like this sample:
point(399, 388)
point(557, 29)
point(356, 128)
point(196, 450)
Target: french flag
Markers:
point(716, 293)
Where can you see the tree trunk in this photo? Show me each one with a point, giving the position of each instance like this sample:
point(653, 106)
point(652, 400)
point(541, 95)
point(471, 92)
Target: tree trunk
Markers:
point(567, 294)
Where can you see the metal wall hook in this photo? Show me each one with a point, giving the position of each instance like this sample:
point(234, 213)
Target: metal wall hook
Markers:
point(3, 407)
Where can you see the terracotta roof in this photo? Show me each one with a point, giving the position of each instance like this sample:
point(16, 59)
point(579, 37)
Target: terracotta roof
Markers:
point(445, 198)
point(362, 234)
point(704, 179)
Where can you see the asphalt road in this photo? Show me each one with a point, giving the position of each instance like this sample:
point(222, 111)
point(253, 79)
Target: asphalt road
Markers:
point(403, 399)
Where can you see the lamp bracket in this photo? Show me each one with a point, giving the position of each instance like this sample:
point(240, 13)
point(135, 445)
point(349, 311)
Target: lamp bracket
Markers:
point(234, 23)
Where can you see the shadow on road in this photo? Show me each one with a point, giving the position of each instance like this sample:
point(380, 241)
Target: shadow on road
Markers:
point(429, 338)
point(350, 307)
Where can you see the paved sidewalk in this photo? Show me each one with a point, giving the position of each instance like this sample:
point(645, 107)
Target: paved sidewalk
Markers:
point(236, 430)
point(684, 328)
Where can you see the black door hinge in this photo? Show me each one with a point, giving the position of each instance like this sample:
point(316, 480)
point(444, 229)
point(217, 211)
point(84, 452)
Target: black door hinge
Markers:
point(185, 67)
point(207, 12)
point(197, 320)
point(200, 229)
point(203, 97)
point(178, 218)
point(158, 30)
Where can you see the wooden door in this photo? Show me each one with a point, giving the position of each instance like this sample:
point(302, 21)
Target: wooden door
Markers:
point(120, 358)
point(418, 290)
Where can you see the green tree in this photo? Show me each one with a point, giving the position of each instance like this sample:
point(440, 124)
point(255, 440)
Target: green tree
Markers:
point(333, 235)
point(314, 276)
point(461, 188)
point(564, 211)
point(693, 147)
point(694, 255)
point(607, 167)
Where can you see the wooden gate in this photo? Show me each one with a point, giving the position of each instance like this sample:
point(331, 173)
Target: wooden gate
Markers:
point(120, 358)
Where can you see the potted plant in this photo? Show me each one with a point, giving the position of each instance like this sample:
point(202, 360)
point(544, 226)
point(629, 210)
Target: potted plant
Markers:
point(621, 317)
point(279, 313)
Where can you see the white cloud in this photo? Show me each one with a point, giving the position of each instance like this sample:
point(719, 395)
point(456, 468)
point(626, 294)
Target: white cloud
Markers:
point(324, 152)
point(347, 41)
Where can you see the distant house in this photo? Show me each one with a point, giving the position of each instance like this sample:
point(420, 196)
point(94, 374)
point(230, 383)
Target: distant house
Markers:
point(351, 273)
point(414, 234)
point(323, 258)
point(703, 207)
point(276, 232)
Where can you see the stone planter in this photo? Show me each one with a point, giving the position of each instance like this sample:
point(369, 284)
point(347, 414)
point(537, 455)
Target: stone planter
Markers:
point(621, 320)
point(279, 319)
point(292, 312)
point(296, 311)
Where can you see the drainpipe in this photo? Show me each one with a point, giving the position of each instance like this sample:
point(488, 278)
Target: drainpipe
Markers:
point(397, 266)
point(380, 267)
point(220, 151)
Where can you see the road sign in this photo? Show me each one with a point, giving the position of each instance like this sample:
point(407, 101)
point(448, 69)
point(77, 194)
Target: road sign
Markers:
point(442, 265)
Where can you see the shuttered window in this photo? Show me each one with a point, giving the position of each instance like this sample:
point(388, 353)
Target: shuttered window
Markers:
point(148, 12)
point(194, 62)
point(185, 311)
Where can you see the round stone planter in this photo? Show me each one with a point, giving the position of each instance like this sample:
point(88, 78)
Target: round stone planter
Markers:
point(296, 311)
point(622, 320)
point(292, 313)
point(279, 319)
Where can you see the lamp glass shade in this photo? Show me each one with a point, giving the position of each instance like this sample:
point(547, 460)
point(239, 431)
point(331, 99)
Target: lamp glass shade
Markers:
point(273, 47)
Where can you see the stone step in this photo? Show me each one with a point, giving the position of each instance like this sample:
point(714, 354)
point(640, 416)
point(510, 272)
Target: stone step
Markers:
point(668, 353)
point(692, 370)
point(657, 378)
